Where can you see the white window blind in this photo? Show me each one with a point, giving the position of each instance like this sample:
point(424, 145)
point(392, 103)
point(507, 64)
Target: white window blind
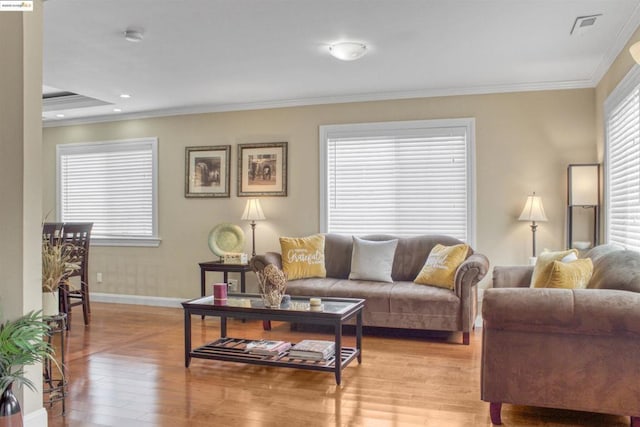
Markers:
point(622, 170)
point(401, 178)
point(113, 185)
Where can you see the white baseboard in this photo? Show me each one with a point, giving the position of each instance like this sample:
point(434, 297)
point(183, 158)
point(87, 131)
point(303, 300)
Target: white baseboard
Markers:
point(137, 300)
point(36, 418)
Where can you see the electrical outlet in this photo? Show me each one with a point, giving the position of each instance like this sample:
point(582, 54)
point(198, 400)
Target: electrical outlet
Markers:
point(99, 277)
point(233, 285)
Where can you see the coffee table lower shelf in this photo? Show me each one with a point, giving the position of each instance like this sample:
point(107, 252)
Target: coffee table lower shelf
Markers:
point(232, 350)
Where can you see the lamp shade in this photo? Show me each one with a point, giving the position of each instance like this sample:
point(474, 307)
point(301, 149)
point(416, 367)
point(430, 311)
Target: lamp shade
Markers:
point(533, 210)
point(253, 211)
point(634, 50)
point(584, 181)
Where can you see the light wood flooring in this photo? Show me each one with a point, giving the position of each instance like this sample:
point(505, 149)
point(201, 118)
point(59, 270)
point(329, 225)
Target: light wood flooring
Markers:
point(127, 369)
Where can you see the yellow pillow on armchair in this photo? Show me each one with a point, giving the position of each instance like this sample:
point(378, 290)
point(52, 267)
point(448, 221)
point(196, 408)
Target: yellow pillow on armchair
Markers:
point(544, 263)
point(442, 263)
point(303, 257)
point(570, 275)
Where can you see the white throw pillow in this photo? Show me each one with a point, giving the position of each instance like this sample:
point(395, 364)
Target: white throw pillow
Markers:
point(371, 260)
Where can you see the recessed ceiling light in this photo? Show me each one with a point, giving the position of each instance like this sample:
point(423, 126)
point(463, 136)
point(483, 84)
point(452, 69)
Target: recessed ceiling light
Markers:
point(125, 95)
point(133, 35)
point(117, 110)
point(60, 115)
point(348, 51)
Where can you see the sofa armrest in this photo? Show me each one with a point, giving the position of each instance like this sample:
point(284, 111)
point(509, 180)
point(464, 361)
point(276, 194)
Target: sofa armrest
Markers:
point(563, 311)
point(259, 262)
point(512, 276)
point(470, 272)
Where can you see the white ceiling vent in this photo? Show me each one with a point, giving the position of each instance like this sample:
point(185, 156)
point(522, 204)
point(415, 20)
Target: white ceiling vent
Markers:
point(58, 101)
point(583, 23)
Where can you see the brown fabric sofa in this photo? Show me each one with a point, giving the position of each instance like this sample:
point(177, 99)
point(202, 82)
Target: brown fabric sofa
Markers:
point(401, 304)
point(562, 348)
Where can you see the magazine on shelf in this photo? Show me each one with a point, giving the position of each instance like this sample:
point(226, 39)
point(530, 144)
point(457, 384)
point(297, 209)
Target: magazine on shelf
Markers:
point(268, 347)
point(313, 350)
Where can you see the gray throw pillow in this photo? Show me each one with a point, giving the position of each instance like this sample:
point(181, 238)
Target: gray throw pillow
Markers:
point(372, 260)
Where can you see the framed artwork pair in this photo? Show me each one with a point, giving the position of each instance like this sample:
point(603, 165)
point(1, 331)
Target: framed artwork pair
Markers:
point(262, 170)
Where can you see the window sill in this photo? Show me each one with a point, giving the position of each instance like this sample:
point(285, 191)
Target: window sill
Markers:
point(149, 242)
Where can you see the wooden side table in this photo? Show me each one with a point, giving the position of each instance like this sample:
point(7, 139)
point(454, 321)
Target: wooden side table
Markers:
point(225, 269)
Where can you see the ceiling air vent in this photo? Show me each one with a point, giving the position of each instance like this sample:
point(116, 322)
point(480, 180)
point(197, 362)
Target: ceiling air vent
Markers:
point(57, 101)
point(583, 23)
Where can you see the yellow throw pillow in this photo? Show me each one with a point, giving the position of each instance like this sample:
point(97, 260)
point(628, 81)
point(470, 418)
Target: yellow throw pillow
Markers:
point(442, 263)
point(303, 257)
point(542, 269)
point(570, 275)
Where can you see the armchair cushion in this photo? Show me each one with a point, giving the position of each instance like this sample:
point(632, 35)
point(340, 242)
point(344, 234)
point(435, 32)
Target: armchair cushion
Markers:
point(570, 275)
point(544, 264)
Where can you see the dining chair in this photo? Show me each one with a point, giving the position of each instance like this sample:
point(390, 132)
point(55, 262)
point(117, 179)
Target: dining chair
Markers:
point(77, 234)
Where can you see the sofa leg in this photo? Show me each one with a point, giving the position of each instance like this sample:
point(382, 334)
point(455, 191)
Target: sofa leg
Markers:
point(465, 338)
point(494, 413)
point(635, 421)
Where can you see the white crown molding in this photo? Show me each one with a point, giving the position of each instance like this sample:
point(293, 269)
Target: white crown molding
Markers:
point(366, 97)
point(620, 42)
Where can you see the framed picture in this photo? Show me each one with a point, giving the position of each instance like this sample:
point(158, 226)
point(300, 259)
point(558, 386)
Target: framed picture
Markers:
point(207, 171)
point(262, 169)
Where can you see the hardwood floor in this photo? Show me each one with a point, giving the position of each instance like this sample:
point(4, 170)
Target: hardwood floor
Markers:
point(127, 369)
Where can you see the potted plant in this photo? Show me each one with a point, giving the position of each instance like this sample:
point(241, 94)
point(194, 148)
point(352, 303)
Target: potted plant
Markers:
point(58, 262)
point(22, 343)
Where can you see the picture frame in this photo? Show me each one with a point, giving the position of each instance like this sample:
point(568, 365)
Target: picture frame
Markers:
point(262, 169)
point(207, 171)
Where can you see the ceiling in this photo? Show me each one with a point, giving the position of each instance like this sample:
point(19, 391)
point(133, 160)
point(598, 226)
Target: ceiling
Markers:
point(222, 55)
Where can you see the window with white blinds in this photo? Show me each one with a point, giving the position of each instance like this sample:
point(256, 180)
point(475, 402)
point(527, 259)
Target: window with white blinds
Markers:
point(112, 184)
point(401, 178)
point(622, 163)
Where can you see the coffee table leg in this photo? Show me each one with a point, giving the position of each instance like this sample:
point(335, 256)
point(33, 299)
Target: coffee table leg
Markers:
point(187, 338)
point(338, 354)
point(223, 326)
point(359, 335)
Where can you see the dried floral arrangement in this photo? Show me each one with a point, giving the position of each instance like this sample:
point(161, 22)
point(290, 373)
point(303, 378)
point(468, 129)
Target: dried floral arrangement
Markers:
point(59, 260)
point(273, 283)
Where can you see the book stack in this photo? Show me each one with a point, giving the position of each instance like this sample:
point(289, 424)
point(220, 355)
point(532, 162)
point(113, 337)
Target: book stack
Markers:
point(313, 350)
point(268, 347)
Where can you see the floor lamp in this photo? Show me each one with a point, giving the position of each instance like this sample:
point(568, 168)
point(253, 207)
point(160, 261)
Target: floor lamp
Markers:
point(533, 211)
point(253, 212)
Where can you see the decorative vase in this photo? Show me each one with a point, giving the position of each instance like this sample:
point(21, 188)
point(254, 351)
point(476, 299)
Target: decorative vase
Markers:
point(273, 283)
point(10, 413)
point(50, 303)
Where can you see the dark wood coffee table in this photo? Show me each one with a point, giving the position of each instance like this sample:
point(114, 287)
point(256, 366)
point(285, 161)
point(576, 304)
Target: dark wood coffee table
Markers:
point(247, 306)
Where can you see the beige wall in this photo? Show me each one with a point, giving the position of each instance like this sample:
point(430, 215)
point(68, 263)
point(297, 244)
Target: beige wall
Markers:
point(20, 179)
point(524, 142)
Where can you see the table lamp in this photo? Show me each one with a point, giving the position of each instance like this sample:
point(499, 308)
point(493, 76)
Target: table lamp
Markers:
point(253, 212)
point(533, 211)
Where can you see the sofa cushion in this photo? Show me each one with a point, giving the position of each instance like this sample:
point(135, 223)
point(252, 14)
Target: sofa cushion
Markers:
point(570, 275)
point(544, 263)
point(337, 255)
point(407, 297)
point(617, 270)
point(303, 256)
point(412, 253)
point(442, 263)
point(372, 260)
